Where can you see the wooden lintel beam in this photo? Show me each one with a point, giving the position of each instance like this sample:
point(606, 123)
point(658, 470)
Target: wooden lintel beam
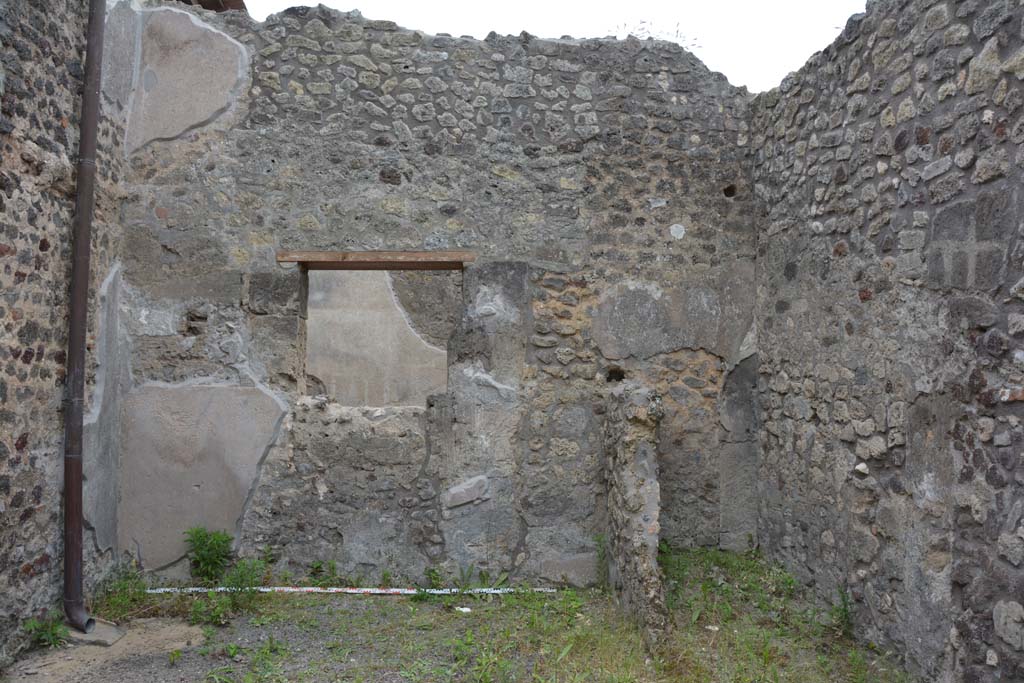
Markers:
point(378, 260)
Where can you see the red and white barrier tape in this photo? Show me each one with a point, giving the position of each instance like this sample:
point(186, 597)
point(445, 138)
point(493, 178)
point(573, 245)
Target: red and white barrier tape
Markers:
point(350, 591)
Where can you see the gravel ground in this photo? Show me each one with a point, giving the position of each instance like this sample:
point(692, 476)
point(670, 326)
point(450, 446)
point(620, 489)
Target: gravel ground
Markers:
point(310, 638)
point(738, 620)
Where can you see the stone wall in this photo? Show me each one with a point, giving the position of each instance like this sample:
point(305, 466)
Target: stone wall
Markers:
point(356, 487)
point(604, 184)
point(42, 49)
point(889, 261)
point(634, 505)
point(822, 285)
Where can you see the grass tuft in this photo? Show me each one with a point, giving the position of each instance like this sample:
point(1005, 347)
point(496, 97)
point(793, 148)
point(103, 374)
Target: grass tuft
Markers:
point(49, 632)
point(738, 618)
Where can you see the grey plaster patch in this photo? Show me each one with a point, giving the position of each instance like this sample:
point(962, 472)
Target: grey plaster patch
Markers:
point(120, 53)
point(190, 454)
point(739, 467)
point(564, 555)
point(641, 319)
point(101, 462)
point(739, 461)
point(737, 409)
point(432, 301)
point(188, 75)
point(634, 319)
point(361, 345)
point(485, 536)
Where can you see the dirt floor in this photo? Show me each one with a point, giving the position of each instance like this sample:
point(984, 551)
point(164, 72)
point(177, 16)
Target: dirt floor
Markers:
point(129, 659)
point(737, 621)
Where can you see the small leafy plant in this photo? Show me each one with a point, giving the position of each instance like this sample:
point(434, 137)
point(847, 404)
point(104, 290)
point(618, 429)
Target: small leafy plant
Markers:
point(465, 580)
point(220, 675)
point(51, 632)
point(842, 616)
point(434, 577)
point(603, 562)
point(242, 581)
point(212, 608)
point(208, 553)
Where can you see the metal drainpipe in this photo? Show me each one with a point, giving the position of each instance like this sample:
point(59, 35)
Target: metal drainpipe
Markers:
point(74, 602)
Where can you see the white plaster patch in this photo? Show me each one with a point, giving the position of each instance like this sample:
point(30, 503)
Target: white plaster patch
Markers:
point(491, 303)
point(107, 289)
point(748, 347)
point(362, 345)
point(651, 288)
point(479, 376)
point(143, 319)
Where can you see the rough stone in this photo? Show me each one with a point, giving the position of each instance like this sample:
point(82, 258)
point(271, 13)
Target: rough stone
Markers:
point(856, 414)
point(41, 48)
point(1008, 617)
point(633, 507)
point(984, 70)
point(352, 489)
point(469, 491)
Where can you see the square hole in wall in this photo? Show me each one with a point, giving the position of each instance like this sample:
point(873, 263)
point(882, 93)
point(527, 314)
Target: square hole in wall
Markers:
point(379, 338)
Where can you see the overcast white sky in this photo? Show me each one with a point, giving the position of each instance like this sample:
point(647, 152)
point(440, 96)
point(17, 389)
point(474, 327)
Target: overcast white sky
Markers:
point(753, 42)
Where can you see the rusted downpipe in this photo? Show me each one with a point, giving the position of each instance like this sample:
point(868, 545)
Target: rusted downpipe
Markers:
point(74, 600)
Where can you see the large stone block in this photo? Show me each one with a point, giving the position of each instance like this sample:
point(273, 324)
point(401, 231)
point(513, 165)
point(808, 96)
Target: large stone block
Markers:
point(281, 292)
point(1008, 618)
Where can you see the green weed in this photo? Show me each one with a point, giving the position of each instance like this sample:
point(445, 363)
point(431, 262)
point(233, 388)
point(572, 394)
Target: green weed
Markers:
point(242, 580)
point(842, 616)
point(123, 596)
point(603, 563)
point(48, 632)
point(209, 553)
point(434, 577)
point(213, 609)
